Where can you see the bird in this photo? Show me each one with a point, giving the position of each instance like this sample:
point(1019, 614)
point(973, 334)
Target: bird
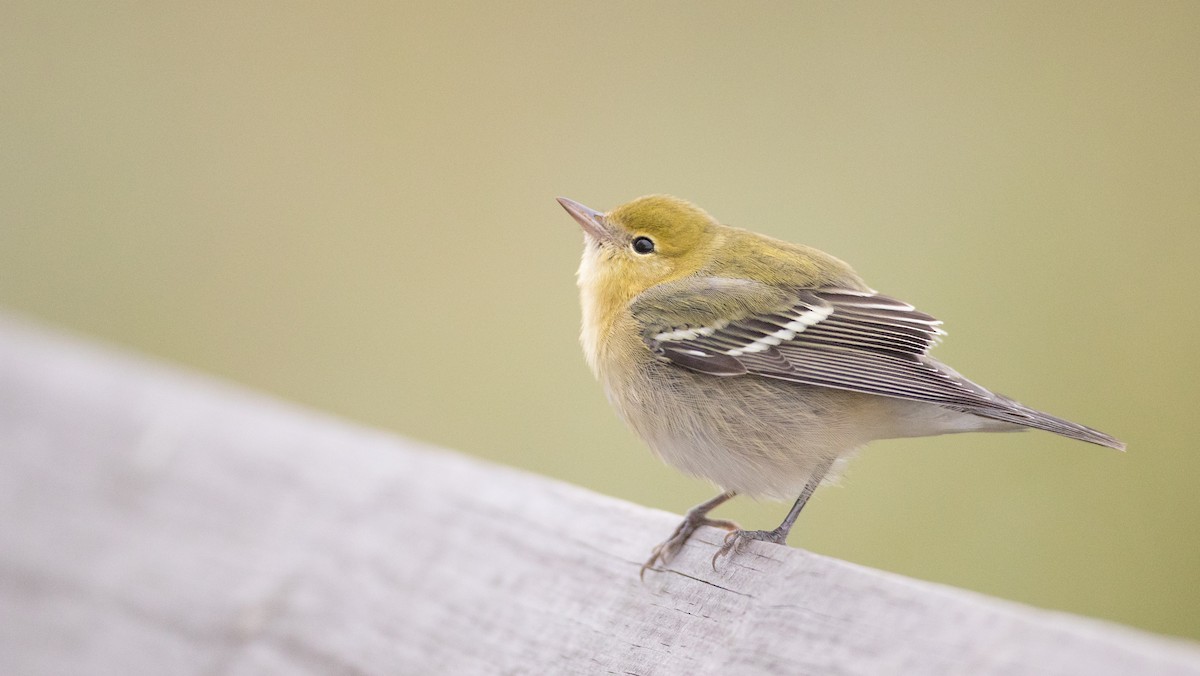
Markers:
point(761, 365)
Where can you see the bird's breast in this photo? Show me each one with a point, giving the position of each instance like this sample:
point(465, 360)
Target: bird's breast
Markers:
point(752, 435)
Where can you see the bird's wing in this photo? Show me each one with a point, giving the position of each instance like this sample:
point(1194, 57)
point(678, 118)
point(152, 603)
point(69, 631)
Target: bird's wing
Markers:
point(844, 338)
point(850, 339)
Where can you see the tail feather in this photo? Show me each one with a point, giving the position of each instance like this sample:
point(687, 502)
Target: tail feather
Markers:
point(1014, 412)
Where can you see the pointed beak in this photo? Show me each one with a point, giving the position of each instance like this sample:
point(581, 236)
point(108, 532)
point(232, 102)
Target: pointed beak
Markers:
point(591, 220)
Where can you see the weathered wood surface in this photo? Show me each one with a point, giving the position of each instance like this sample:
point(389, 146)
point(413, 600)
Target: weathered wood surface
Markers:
point(156, 522)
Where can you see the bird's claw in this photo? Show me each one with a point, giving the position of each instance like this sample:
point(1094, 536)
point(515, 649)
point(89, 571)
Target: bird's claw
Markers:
point(667, 549)
point(735, 539)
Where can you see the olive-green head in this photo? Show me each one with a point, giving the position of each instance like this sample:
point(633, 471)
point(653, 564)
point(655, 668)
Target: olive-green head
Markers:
point(648, 241)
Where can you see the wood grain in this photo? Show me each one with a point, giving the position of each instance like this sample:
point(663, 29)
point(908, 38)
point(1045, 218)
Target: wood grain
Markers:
point(158, 522)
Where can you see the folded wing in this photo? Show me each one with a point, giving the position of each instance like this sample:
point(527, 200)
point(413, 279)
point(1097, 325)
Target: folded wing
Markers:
point(848, 339)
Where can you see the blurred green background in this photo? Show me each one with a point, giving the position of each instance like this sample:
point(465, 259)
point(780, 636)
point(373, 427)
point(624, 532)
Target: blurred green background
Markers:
point(352, 206)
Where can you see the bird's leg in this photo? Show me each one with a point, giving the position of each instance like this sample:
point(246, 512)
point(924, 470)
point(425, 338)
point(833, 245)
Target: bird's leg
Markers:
point(695, 517)
point(779, 535)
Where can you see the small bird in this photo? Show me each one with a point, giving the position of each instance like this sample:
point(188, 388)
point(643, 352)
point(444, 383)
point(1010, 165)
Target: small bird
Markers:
point(760, 365)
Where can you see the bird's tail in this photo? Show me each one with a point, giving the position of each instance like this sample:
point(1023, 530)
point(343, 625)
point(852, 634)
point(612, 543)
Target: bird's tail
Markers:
point(1019, 414)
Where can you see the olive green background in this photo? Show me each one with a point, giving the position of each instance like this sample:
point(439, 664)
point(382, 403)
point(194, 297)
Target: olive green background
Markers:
point(352, 206)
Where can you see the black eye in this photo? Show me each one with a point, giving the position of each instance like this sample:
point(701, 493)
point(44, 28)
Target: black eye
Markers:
point(643, 245)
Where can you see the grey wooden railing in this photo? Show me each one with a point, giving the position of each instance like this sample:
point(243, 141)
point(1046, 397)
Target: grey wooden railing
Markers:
point(158, 522)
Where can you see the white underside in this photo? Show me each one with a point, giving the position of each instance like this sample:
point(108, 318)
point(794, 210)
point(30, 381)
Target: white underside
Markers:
point(766, 438)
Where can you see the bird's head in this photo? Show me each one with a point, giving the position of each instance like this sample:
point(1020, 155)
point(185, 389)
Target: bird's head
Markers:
point(640, 244)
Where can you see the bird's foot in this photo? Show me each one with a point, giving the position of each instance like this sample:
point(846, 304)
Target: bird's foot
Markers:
point(735, 539)
point(667, 549)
